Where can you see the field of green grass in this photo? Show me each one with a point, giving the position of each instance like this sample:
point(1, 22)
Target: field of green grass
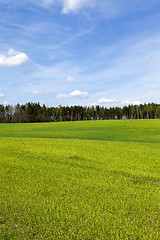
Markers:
point(86, 180)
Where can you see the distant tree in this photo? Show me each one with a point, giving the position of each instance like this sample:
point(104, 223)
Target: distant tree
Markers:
point(151, 110)
point(8, 113)
point(157, 112)
point(34, 112)
point(17, 116)
point(97, 112)
point(2, 113)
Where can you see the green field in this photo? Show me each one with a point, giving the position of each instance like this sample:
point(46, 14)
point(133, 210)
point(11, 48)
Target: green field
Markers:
point(80, 180)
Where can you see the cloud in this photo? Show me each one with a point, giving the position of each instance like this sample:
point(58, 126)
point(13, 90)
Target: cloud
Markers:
point(6, 103)
point(92, 104)
point(36, 92)
point(62, 95)
point(47, 3)
point(13, 58)
point(107, 100)
point(115, 102)
point(131, 102)
point(71, 79)
point(147, 58)
point(75, 93)
point(105, 8)
point(1, 95)
point(116, 8)
point(76, 5)
point(68, 6)
point(155, 85)
point(78, 93)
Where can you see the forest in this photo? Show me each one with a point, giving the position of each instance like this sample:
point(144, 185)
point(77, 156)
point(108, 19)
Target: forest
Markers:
point(34, 112)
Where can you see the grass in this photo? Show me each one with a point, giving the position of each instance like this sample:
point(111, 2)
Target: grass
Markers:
point(80, 180)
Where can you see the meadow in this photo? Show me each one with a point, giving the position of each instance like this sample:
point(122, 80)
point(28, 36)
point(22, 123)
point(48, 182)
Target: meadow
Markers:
point(80, 180)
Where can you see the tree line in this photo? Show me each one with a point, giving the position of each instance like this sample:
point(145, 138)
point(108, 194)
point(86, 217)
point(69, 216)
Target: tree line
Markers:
point(34, 112)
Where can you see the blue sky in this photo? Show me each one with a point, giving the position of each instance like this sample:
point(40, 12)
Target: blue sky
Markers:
point(80, 52)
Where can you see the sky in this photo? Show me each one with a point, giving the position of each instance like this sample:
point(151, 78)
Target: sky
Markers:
point(80, 52)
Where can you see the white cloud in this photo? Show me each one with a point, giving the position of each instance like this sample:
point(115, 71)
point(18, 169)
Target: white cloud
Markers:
point(92, 104)
point(36, 92)
point(1, 95)
point(13, 58)
point(78, 93)
point(132, 102)
point(12, 52)
point(76, 5)
point(147, 58)
point(106, 8)
point(47, 3)
point(155, 85)
point(107, 100)
point(6, 103)
point(117, 8)
point(75, 93)
point(67, 5)
point(116, 103)
point(62, 95)
point(71, 79)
